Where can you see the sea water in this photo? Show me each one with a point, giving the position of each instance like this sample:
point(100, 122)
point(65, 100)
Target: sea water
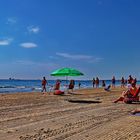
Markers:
point(14, 86)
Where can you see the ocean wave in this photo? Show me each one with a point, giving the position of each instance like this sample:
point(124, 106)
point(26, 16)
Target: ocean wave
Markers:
point(7, 87)
point(37, 88)
point(17, 87)
point(21, 87)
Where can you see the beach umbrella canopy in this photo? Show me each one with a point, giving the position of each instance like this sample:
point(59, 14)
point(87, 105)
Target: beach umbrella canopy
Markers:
point(66, 72)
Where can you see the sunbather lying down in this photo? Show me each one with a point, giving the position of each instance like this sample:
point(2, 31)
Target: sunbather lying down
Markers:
point(130, 95)
point(135, 111)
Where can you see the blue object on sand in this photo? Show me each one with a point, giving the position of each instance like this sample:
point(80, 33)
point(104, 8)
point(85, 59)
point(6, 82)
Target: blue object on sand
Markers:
point(107, 88)
point(136, 114)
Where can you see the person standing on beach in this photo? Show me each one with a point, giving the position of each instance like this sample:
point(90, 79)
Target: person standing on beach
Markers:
point(135, 80)
point(130, 79)
point(122, 82)
point(71, 85)
point(79, 85)
point(103, 83)
point(44, 82)
point(93, 82)
point(97, 82)
point(113, 82)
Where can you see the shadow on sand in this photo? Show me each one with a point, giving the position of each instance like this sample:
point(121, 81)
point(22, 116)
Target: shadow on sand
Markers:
point(83, 101)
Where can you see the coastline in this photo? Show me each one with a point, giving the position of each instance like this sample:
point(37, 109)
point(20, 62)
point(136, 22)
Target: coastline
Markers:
point(13, 86)
point(33, 115)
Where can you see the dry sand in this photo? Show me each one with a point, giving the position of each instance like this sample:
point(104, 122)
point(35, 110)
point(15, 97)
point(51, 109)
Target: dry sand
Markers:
point(33, 116)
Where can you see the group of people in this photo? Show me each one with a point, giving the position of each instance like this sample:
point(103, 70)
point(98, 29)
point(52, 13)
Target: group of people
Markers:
point(123, 82)
point(96, 82)
point(56, 87)
point(128, 96)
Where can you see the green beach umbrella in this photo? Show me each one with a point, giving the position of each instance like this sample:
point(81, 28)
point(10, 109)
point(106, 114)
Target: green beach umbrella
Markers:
point(66, 72)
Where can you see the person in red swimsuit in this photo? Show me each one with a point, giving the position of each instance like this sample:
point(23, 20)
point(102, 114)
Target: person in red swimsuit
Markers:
point(57, 85)
point(129, 93)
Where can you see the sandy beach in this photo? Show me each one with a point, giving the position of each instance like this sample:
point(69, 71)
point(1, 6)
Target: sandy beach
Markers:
point(88, 114)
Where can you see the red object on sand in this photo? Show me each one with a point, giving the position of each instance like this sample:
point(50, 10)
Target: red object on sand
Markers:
point(58, 92)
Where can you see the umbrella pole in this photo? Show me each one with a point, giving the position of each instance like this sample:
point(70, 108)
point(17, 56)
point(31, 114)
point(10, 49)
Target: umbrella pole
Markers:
point(66, 84)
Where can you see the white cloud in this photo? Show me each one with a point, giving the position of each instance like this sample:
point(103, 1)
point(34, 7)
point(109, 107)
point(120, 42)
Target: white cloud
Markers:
point(87, 58)
point(5, 42)
point(77, 56)
point(33, 29)
point(11, 20)
point(28, 45)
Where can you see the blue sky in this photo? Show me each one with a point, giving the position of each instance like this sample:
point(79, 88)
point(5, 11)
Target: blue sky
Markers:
point(98, 37)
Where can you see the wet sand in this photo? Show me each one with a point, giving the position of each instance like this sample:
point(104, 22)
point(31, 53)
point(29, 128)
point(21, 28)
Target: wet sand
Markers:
point(88, 114)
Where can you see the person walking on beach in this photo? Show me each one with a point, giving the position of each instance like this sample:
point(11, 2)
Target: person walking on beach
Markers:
point(44, 82)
